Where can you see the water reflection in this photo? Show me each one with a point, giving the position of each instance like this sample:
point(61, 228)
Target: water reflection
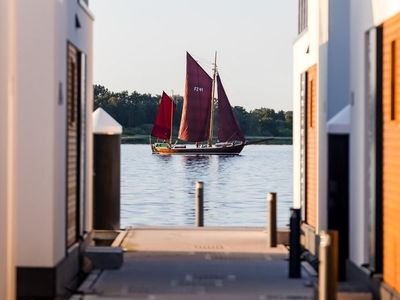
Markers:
point(226, 161)
point(195, 161)
point(164, 158)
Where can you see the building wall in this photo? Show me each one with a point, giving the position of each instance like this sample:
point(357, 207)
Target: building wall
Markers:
point(44, 27)
point(338, 56)
point(311, 48)
point(36, 135)
point(82, 38)
point(7, 188)
point(373, 13)
point(327, 40)
point(305, 55)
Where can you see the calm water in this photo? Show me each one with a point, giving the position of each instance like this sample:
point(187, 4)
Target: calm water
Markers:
point(159, 190)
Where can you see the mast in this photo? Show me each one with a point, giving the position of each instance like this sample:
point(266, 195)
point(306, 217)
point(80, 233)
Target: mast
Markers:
point(210, 137)
point(172, 117)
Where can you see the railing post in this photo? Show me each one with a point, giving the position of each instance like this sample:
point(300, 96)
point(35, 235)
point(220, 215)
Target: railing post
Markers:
point(328, 265)
point(295, 249)
point(199, 204)
point(271, 220)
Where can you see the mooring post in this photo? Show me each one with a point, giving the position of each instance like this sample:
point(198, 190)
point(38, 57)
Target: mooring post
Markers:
point(271, 220)
point(199, 204)
point(328, 265)
point(295, 249)
point(107, 171)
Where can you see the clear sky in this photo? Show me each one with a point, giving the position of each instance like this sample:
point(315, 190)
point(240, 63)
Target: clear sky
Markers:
point(141, 45)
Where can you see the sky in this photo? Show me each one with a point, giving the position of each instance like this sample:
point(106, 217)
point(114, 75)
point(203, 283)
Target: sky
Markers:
point(140, 45)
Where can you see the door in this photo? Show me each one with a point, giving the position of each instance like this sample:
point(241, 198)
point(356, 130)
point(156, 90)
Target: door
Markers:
point(374, 146)
point(73, 145)
point(391, 152)
point(338, 194)
point(311, 149)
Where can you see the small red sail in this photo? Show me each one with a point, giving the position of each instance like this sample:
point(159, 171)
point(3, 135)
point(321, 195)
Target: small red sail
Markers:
point(196, 103)
point(228, 127)
point(162, 124)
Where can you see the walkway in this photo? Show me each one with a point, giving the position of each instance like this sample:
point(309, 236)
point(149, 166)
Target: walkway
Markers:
point(211, 263)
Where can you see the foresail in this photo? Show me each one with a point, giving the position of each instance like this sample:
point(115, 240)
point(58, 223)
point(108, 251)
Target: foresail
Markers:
point(162, 124)
point(228, 128)
point(196, 109)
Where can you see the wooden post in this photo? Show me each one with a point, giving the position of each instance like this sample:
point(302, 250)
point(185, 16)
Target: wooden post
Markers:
point(199, 204)
point(271, 220)
point(107, 181)
point(328, 265)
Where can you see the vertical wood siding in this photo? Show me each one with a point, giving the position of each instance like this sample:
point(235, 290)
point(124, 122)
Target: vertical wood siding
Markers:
point(72, 146)
point(311, 170)
point(391, 152)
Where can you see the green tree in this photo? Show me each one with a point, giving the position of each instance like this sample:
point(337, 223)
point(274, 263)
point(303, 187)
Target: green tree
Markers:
point(136, 112)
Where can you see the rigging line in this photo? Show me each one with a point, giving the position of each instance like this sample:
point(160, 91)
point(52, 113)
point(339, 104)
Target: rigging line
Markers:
point(201, 60)
point(229, 140)
point(236, 93)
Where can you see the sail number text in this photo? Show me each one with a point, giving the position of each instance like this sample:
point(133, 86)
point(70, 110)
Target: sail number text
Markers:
point(198, 89)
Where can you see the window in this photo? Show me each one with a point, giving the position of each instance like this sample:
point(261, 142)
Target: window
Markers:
point(303, 15)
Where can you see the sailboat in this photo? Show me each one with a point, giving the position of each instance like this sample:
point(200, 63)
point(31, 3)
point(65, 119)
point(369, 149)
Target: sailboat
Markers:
point(197, 121)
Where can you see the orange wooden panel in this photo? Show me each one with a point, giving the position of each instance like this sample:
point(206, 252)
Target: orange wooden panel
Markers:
point(311, 153)
point(391, 152)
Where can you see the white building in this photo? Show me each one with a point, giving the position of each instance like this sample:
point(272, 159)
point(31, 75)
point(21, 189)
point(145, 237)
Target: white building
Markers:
point(320, 91)
point(375, 151)
point(347, 133)
point(45, 144)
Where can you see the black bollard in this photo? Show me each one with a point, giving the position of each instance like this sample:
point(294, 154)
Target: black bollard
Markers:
point(295, 250)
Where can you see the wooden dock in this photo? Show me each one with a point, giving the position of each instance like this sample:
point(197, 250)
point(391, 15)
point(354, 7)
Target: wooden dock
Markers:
point(198, 263)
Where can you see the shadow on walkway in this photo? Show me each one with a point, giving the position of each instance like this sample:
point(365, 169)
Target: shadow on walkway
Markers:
point(206, 264)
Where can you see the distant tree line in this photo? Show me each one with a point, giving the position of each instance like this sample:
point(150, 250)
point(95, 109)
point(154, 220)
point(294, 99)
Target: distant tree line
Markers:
point(136, 113)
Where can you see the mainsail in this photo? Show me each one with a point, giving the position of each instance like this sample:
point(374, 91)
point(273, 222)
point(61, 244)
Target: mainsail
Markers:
point(228, 128)
point(196, 103)
point(163, 122)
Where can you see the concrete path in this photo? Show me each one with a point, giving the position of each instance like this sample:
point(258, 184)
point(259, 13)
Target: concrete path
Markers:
point(207, 239)
point(197, 264)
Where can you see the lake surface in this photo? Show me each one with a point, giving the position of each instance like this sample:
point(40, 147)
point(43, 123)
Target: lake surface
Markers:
point(160, 190)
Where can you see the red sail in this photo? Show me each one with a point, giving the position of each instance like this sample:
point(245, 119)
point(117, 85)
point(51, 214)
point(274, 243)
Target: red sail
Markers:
point(162, 124)
point(196, 104)
point(228, 128)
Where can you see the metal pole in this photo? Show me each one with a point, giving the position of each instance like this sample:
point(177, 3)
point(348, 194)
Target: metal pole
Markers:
point(271, 220)
point(199, 204)
point(328, 265)
point(211, 131)
point(295, 249)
